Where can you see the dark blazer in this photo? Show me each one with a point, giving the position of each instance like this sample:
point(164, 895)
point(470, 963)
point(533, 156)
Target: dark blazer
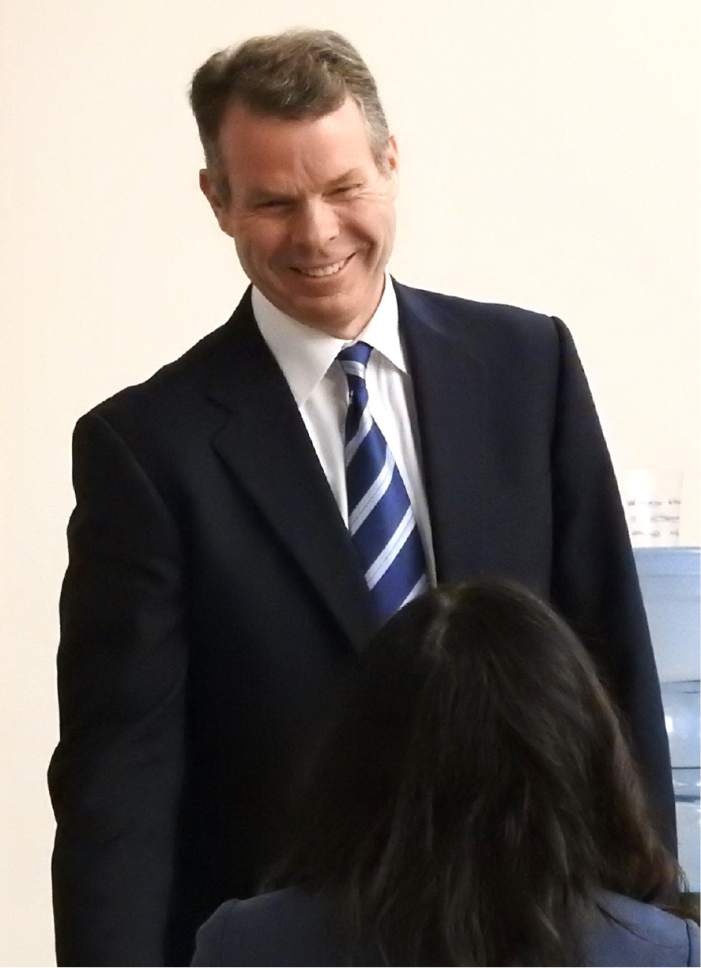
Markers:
point(213, 608)
point(290, 927)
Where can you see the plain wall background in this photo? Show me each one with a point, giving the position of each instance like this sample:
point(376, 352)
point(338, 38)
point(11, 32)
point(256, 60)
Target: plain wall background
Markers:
point(550, 159)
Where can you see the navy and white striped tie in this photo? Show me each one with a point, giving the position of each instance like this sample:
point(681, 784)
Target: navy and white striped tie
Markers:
point(380, 516)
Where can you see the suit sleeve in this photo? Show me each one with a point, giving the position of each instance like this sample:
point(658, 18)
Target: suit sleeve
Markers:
point(594, 580)
point(116, 776)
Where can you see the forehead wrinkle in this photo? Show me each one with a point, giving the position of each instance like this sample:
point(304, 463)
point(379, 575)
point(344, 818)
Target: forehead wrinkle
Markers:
point(284, 184)
point(285, 155)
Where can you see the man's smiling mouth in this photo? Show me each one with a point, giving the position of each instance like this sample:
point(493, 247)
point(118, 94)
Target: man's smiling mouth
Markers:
point(321, 271)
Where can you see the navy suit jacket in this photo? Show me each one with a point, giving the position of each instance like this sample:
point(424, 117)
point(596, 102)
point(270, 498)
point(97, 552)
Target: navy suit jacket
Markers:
point(290, 927)
point(213, 608)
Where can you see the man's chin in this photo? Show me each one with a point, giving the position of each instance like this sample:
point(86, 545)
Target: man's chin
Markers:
point(336, 320)
point(330, 312)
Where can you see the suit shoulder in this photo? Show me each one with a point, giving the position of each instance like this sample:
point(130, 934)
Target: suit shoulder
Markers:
point(630, 932)
point(170, 382)
point(169, 413)
point(487, 323)
point(459, 308)
point(173, 409)
point(518, 346)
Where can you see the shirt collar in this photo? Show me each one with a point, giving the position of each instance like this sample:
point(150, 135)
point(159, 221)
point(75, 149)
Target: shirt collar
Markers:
point(304, 354)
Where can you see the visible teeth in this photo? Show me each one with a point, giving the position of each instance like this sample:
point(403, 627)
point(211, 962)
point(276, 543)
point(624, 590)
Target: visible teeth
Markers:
point(322, 270)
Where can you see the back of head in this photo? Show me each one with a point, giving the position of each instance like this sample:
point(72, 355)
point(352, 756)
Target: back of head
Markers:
point(478, 790)
point(297, 74)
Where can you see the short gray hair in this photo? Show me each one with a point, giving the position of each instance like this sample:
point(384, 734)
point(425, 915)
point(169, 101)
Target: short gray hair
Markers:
point(296, 74)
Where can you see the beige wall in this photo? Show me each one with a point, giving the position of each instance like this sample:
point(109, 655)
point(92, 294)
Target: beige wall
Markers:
point(550, 159)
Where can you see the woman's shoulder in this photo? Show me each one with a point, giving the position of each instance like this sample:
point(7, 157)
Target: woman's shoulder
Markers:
point(629, 932)
point(291, 927)
point(286, 927)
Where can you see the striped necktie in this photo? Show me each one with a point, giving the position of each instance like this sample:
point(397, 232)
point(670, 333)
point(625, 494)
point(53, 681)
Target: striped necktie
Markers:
point(380, 516)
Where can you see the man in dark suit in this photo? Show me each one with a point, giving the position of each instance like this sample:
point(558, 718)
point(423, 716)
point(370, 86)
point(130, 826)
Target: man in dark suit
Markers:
point(218, 591)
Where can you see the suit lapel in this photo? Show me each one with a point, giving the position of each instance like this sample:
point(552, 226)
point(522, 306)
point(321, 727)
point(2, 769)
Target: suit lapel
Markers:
point(267, 448)
point(450, 389)
point(265, 445)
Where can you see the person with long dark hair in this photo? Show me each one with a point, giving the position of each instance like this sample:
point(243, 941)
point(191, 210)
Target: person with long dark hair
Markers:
point(475, 804)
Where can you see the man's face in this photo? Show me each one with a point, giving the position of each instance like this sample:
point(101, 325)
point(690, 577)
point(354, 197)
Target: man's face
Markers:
point(311, 215)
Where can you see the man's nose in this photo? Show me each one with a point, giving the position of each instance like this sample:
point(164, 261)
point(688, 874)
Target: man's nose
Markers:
point(315, 224)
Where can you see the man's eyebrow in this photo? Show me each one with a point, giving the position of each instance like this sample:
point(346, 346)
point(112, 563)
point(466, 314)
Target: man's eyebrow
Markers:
point(260, 194)
point(268, 194)
point(353, 174)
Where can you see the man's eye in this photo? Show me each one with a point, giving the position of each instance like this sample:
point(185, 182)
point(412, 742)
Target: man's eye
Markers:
point(346, 189)
point(273, 203)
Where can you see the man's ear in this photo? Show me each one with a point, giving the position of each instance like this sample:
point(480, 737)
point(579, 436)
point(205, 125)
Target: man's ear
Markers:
point(392, 164)
point(392, 155)
point(212, 193)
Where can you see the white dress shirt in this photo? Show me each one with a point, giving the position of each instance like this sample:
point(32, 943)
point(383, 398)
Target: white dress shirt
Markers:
point(307, 358)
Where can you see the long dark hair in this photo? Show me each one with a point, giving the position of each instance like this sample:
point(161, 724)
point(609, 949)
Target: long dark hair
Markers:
point(478, 792)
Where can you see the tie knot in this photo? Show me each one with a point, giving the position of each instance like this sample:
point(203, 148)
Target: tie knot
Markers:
point(354, 359)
